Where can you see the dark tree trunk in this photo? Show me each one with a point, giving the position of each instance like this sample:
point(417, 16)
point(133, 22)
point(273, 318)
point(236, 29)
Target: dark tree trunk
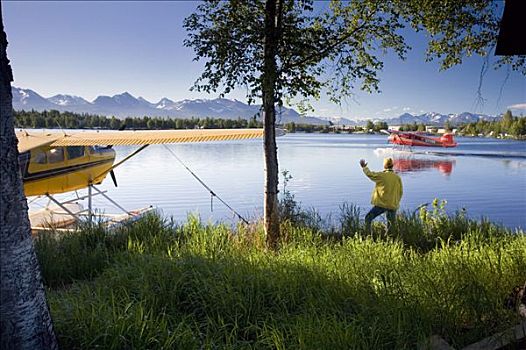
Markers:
point(271, 214)
point(25, 319)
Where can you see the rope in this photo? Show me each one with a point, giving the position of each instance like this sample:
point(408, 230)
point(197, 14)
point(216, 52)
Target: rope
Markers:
point(212, 193)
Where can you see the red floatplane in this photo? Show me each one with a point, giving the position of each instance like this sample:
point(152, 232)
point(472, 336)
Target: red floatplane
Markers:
point(412, 138)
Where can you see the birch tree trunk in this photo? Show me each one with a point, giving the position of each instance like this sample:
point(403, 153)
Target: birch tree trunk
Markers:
point(271, 214)
point(25, 319)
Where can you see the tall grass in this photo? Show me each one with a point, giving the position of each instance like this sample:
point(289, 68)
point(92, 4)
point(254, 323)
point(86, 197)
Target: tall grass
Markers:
point(162, 285)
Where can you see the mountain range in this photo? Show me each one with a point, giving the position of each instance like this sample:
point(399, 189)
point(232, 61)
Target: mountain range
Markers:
point(125, 105)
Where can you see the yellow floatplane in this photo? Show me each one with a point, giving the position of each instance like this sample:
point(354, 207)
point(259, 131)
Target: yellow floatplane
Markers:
point(59, 162)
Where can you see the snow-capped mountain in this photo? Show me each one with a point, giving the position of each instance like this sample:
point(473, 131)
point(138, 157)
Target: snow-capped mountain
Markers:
point(434, 118)
point(126, 105)
point(124, 100)
point(68, 100)
point(217, 108)
point(407, 118)
point(28, 99)
point(340, 121)
point(165, 103)
point(146, 102)
point(467, 117)
point(438, 119)
point(123, 105)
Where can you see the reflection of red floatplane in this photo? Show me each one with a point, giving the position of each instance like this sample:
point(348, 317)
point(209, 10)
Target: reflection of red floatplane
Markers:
point(408, 165)
point(408, 138)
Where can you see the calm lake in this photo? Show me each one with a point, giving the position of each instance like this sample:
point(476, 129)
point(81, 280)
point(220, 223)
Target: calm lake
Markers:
point(485, 176)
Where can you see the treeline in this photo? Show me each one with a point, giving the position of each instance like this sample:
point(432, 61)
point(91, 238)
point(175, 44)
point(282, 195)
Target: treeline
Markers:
point(507, 126)
point(54, 119)
point(292, 127)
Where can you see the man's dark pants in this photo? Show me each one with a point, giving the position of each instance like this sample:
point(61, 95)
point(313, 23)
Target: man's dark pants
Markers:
point(376, 211)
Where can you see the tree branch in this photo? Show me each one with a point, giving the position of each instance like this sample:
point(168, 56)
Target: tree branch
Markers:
point(327, 49)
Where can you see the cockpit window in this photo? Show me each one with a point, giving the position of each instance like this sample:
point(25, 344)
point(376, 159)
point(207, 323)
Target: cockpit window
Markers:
point(75, 152)
point(39, 157)
point(99, 149)
point(23, 161)
point(55, 155)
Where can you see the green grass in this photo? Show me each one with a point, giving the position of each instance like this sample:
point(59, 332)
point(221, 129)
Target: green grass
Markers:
point(162, 285)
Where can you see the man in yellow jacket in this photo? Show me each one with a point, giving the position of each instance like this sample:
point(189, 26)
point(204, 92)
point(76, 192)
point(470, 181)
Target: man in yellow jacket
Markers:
point(387, 192)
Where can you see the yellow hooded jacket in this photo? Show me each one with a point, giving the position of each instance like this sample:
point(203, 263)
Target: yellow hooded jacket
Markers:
point(388, 190)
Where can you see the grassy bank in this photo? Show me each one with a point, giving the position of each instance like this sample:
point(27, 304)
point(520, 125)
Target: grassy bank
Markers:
point(158, 284)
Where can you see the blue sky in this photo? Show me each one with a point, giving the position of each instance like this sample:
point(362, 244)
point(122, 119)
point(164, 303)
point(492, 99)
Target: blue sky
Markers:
point(105, 48)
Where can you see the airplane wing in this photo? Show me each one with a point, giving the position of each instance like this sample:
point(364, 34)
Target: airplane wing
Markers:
point(149, 137)
point(28, 141)
point(128, 137)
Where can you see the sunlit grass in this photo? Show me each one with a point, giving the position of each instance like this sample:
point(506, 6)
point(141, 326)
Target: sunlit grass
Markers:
point(158, 284)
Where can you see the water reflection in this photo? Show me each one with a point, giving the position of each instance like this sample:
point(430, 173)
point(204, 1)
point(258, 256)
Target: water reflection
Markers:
point(414, 164)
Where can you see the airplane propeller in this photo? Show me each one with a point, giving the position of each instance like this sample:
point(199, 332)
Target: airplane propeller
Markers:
point(113, 177)
point(112, 174)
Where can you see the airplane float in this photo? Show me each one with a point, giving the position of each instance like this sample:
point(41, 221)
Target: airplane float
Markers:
point(415, 138)
point(59, 162)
